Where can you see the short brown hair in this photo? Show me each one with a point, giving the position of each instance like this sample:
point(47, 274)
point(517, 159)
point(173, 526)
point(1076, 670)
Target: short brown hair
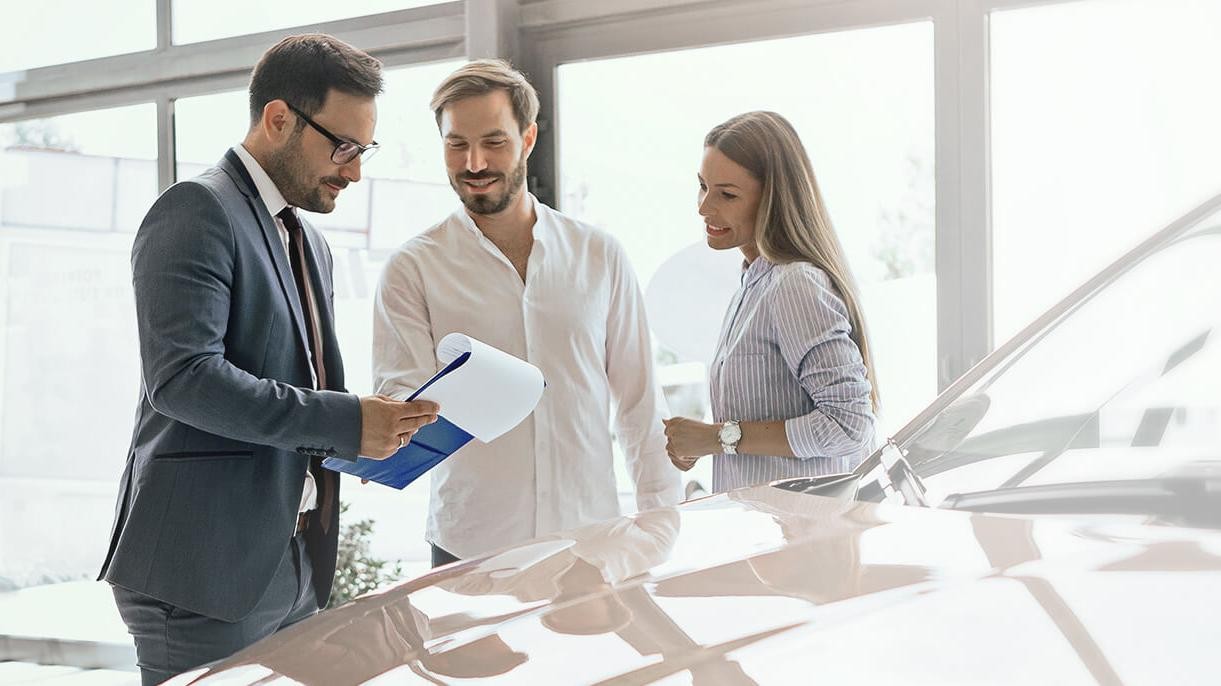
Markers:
point(301, 70)
point(480, 77)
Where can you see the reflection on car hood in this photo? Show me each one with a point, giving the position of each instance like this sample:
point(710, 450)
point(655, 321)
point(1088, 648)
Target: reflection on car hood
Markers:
point(768, 586)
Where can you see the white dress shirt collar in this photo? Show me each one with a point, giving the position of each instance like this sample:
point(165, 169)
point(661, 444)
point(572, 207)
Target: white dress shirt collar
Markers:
point(268, 193)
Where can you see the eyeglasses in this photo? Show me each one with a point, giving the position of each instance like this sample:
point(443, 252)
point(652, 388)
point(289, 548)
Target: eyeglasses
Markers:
point(345, 151)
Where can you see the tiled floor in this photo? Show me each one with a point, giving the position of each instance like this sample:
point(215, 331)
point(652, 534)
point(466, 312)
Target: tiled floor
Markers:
point(64, 634)
point(78, 611)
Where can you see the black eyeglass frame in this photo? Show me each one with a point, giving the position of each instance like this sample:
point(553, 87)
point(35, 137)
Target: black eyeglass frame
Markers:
point(364, 152)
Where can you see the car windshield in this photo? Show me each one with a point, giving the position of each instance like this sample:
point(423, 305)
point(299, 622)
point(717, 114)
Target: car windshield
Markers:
point(1118, 386)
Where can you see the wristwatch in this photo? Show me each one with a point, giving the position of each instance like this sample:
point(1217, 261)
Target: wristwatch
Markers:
point(730, 434)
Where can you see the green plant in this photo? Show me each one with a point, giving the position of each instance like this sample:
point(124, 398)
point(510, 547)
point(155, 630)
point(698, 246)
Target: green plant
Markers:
point(356, 571)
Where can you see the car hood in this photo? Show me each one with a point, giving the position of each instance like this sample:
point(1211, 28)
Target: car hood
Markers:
point(764, 585)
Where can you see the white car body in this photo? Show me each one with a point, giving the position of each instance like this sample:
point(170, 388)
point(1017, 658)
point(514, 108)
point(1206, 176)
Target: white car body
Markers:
point(1053, 517)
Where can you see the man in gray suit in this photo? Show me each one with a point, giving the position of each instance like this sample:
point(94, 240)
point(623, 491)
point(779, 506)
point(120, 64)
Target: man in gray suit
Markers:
point(226, 525)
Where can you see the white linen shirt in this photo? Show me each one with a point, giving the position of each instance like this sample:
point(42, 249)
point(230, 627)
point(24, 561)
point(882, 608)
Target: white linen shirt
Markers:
point(580, 318)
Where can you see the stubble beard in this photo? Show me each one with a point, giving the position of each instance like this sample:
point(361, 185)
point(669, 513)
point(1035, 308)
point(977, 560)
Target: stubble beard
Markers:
point(485, 204)
point(294, 180)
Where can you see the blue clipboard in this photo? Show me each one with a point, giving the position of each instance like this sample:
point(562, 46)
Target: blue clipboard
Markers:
point(427, 448)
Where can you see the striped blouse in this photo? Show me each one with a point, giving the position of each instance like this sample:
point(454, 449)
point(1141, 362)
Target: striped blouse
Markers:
point(785, 353)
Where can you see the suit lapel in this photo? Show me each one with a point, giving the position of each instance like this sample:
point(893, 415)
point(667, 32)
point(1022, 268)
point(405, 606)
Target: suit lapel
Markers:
point(233, 166)
point(326, 480)
point(320, 281)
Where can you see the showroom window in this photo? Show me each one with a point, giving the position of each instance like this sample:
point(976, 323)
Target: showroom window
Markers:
point(862, 101)
point(1104, 127)
point(72, 191)
point(58, 31)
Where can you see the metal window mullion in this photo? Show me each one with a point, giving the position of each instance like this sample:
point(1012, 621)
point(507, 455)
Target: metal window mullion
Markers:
point(964, 227)
point(165, 24)
point(167, 154)
point(544, 161)
point(491, 29)
point(431, 32)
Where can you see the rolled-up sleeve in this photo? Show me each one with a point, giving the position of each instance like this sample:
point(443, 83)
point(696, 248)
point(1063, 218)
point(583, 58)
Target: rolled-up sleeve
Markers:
point(814, 336)
point(403, 357)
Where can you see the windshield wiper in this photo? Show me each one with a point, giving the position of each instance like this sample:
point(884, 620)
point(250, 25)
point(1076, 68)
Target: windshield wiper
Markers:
point(883, 475)
point(1191, 497)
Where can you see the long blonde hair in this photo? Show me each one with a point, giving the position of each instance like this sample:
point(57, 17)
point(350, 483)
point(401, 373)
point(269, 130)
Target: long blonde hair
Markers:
point(792, 224)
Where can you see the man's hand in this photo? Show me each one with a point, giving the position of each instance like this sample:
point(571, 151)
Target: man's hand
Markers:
point(688, 440)
point(387, 425)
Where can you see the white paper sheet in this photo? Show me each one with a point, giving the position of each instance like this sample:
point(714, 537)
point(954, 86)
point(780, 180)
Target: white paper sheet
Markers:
point(488, 394)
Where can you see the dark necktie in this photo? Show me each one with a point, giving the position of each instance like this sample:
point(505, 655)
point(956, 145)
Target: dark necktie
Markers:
point(325, 480)
point(296, 256)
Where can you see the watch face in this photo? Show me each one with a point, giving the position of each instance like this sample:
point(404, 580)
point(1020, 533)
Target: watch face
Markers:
point(730, 434)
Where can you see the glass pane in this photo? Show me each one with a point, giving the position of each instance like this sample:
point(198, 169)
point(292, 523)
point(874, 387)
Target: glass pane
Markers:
point(864, 108)
point(57, 31)
point(1122, 388)
point(1103, 128)
point(200, 20)
point(73, 190)
point(403, 191)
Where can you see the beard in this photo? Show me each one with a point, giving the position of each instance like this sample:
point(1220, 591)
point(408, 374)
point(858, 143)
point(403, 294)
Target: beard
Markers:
point(488, 203)
point(296, 182)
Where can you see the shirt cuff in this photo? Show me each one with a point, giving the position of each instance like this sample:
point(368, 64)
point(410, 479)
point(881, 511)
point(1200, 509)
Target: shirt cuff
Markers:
point(802, 440)
point(667, 497)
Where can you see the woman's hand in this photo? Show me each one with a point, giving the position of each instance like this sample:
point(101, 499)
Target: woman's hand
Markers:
point(688, 440)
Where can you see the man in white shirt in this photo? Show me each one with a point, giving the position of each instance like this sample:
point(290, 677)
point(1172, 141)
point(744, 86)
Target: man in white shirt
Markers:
point(518, 275)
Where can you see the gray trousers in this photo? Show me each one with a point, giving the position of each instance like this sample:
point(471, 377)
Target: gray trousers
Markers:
point(171, 640)
point(441, 556)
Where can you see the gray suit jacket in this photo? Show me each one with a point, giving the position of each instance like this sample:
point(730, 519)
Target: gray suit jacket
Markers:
point(227, 422)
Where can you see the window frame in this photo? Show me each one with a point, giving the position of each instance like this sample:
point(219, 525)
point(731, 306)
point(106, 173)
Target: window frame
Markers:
point(562, 31)
point(539, 35)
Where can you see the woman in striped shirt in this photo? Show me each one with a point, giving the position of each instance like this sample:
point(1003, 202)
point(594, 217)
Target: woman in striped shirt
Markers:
point(792, 379)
